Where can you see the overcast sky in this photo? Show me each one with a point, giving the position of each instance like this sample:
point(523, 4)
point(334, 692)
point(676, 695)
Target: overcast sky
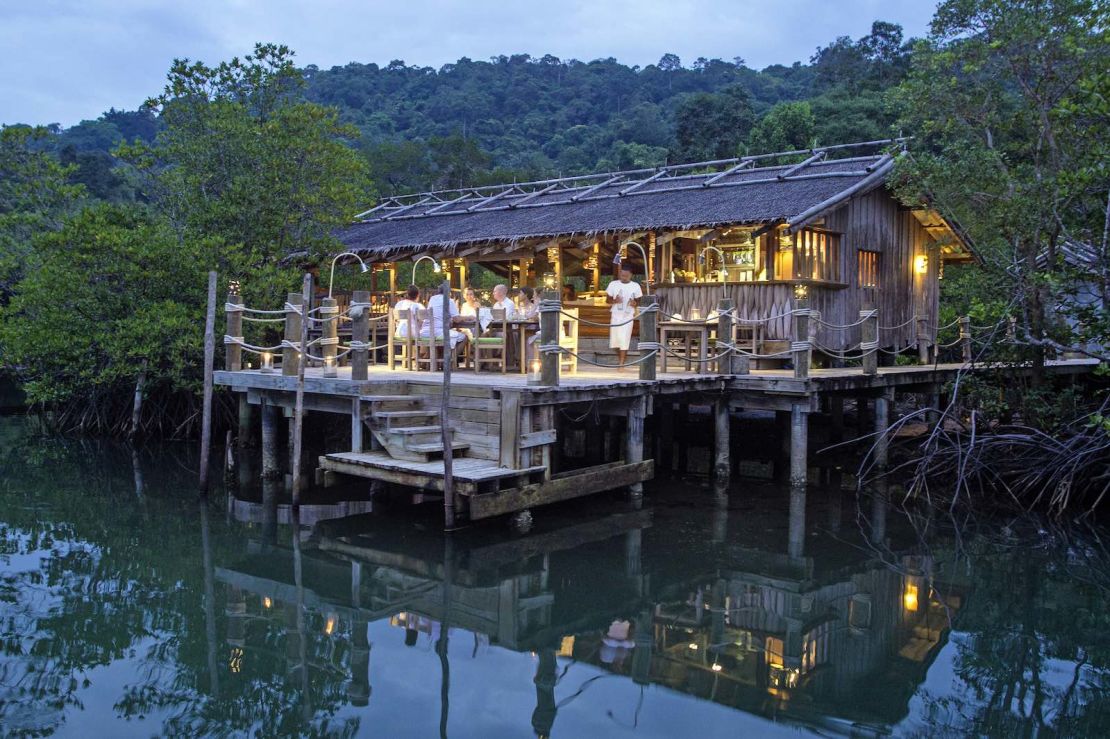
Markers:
point(62, 61)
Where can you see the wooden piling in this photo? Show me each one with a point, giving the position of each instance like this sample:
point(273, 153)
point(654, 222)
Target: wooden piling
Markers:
point(836, 418)
point(799, 445)
point(882, 424)
point(209, 361)
point(725, 334)
point(298, 408)
point(290, 356)
point(634, 442)
point(923, 349)
point(270, 413)
point(965, 339)
point(649, 334)
point(233, 353)
point(869, 341)
point(356, 424)
point(329, 334)
point(360, 333)
point(722, 466)
point(802, 349)
point(549, 336)
point(246, 422)
point(444, 420)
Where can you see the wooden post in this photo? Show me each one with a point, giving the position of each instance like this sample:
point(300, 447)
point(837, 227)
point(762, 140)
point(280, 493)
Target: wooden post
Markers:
point(664, 409)
point(233, 353)
point(922, 340)
point(869, 341)
point(290, 357)
point(634, 442)
point(329, 334)
point(799, 439)
point(356, 424)
point(722, 467)
point(649, 336)
point(802, 348)
point(270, 468)
point(246, 421)
point(882, 423)
point(836, 417)
point(546, 418)
point(298, 408)
point(209, 361)
point(549, 336)
point(444, 420)
point(965, 338)
point(724, 333)
point(360, 333)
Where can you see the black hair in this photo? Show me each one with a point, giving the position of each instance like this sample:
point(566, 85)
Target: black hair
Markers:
point(413, 292)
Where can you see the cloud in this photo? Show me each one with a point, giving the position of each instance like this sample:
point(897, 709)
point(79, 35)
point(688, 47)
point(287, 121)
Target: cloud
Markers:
point(65, 60)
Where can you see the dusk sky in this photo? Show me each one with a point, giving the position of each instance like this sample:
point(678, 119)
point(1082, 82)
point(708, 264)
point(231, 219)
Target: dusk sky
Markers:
point(64, 60)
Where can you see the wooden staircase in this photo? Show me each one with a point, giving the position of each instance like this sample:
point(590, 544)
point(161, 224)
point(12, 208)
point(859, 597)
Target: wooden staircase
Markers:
point(404, 428)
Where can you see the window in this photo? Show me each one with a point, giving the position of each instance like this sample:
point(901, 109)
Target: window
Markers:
point(810, 254)
point(868, 267)
point(815, 646)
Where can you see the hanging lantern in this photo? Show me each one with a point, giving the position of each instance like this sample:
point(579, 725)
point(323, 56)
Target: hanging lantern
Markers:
point(553, 254)
point(549, 282)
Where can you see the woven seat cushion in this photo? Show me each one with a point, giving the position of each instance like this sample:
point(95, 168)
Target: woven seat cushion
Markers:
point(490, 340)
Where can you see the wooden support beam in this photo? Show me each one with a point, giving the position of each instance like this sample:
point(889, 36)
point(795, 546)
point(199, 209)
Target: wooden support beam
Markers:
point(722, 466)
point(360, 332)
point(634, 443)
point(233, 353)
point(581, 482)
point(329, 333)
point(290, 357)
point(649, 334)
point(799, 445)
point(510, 430)
point(803, 352)
point(550, 362)
point(270, 415)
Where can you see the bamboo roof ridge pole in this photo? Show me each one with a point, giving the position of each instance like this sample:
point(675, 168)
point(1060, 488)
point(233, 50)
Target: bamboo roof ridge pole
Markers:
point(209, 361)
point(444, 415)
point(298, 407)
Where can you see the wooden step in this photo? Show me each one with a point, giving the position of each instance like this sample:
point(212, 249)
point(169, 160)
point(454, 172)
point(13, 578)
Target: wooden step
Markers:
point(435, 449)
point(391, 418)
point(414, 430)
point(409, 400)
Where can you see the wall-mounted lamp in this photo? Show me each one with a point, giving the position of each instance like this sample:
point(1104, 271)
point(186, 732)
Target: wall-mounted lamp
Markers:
point(435, 265)
point(921, 264)
point(801, 292)
point(361, 265)
point(909, 598)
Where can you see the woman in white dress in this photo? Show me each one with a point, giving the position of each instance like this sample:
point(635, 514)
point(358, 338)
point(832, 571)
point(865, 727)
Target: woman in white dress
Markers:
point(623, 295)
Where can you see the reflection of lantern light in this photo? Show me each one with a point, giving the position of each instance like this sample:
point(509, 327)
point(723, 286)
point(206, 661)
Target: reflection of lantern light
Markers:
point(236, 660)
point(921, 264)
point(329, 625)
point(267, 362)
point(909, 600)
point(267, 603)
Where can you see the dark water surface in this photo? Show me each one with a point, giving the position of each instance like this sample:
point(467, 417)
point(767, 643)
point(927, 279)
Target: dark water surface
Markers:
point(129, 609)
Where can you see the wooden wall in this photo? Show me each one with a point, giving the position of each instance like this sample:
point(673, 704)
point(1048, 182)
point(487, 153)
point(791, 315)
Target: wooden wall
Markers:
point(873, 221)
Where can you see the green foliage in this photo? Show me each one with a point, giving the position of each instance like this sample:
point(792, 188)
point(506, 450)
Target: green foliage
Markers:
point(244, 160)
point(34, 197)
point(115, 293)
point(786, 126)
point(712, 125)
point(1004, 103)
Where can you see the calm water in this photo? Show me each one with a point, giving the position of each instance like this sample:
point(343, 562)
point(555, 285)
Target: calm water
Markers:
point(128, 609)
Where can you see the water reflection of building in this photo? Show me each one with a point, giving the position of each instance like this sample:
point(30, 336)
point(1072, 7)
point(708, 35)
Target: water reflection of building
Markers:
point(754, 630)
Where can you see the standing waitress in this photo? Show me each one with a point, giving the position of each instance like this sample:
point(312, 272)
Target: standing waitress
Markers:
point(623, 295)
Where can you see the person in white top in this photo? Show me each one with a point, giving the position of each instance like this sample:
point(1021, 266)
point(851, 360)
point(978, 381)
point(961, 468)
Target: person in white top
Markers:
point(529, 306)
point(623, 295)
point(433, 323)
point(412, 305)
point(501, 300)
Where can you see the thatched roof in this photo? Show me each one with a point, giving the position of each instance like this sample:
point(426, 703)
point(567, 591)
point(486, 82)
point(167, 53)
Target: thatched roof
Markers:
point(705, 194)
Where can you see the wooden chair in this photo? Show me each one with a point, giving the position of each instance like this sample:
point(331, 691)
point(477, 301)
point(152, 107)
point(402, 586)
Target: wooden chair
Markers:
point(401, 350)
point(489, 343)
point(568, 339)
point(426, 346)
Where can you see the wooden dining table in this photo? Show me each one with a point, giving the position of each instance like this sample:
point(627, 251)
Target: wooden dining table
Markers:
point(523, 327)
point(689, 333)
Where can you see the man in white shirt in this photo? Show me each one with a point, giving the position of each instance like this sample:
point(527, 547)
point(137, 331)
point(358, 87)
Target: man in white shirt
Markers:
point(623, 295)
point(501, 300)
point(433, 323)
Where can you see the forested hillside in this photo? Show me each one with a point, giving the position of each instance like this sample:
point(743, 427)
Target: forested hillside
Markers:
point(519, 116)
